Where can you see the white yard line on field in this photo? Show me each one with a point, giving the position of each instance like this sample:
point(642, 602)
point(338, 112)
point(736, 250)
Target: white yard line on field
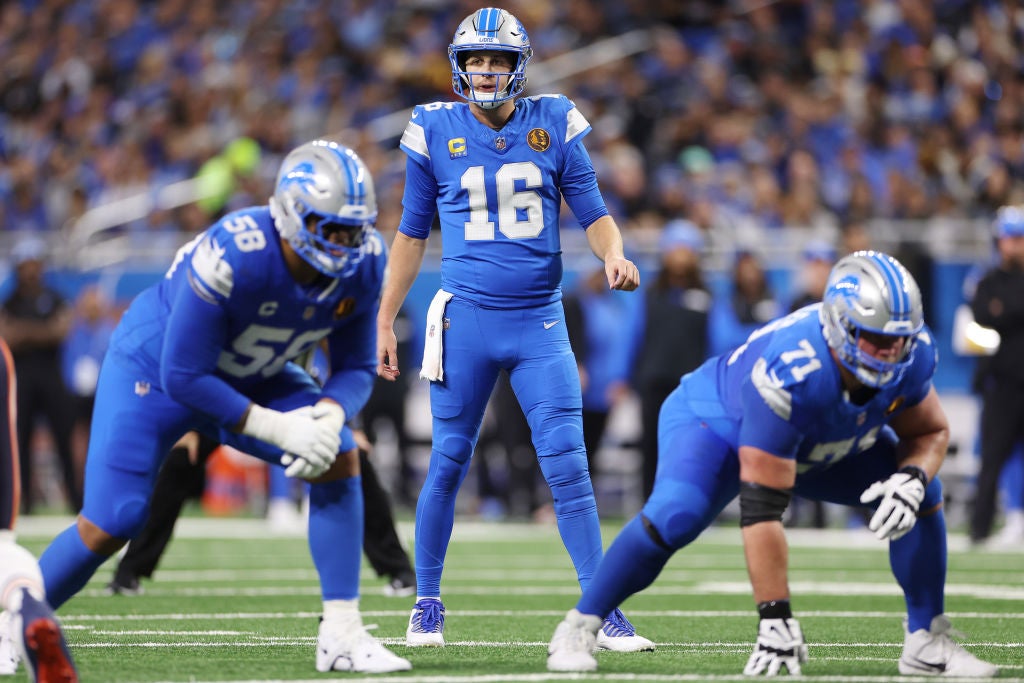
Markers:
point(78, 621)
point(263, 641)
point(844, 588)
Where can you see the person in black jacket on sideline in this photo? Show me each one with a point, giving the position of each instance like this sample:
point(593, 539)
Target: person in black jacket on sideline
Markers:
point(999, 303)
point(674, 331)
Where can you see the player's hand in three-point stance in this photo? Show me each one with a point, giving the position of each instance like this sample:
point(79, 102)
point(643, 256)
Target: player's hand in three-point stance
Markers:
point(780, 643)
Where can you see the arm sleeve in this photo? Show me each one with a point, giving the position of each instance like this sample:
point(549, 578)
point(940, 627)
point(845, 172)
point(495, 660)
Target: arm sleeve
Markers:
point(353, 360)
point(419, 201)
point(579, 186)
point(193, 341)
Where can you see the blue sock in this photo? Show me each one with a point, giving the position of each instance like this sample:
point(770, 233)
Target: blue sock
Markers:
point(918, 562)
point(435, 517)
point(336, 536)
point(279, 485)
point(575, 510)
point(67, 565)
point(631, 564)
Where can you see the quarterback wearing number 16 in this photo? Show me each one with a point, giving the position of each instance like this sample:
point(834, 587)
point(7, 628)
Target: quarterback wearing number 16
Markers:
point(495, 169)
point(210, 348)
point(834, 402)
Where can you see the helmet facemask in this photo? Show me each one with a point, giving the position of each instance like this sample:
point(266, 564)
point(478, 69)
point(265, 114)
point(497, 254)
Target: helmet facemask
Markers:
point(490, 29)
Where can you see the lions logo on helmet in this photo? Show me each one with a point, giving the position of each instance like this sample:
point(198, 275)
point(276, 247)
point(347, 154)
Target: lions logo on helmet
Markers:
point(489, 29)
point(324, 205)
point(871, 292)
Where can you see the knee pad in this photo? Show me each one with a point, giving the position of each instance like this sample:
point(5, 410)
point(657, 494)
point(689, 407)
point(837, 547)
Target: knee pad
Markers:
point(124, 519)
point(450, 462)
point(569, 480)
point(559, 438)
point(679, 515)
point(455, 447)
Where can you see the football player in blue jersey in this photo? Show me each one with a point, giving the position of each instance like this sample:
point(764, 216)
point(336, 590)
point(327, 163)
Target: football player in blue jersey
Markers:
point(209, 348)
point(496, 169)
point(833, 402)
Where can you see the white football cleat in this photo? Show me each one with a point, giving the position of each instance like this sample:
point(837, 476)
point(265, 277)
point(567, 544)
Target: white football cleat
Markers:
point(426, 624)
point(935, 653)
point(618, 635)
point(351, 648)
point(571, 646)
point(8, 649)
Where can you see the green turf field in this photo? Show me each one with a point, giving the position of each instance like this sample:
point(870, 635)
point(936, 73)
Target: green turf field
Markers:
point(231, 603)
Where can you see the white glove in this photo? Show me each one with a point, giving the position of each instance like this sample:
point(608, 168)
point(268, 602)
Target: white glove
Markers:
point(332, 416)
point(300, 433)
point(780, 643)
point(331, 413)
point(901, 496)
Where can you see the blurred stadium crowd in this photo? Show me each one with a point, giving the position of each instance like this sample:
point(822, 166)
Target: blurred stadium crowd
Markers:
point(743, 116)
point(759, 122)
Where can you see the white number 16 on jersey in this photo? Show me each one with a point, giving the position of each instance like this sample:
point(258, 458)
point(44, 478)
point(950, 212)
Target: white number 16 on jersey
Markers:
point(510, 202)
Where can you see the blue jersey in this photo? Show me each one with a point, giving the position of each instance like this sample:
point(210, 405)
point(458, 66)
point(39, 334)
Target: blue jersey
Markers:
point(781, 391)
point(498, 194)
point(228, 315)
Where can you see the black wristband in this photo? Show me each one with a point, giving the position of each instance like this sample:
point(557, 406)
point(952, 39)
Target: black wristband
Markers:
point(774, 609)
point(915, 471)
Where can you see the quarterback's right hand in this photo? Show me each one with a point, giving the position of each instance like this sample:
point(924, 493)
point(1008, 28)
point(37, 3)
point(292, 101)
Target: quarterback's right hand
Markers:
point(387, 353)
point(298, 432)
point(780, 643)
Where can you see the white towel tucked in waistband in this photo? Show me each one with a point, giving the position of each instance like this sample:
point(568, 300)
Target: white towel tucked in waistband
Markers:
point(433, 344)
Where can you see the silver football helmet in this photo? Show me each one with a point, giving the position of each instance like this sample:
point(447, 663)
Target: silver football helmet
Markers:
point(489, 29)
point(869, 291)
point(324, 205)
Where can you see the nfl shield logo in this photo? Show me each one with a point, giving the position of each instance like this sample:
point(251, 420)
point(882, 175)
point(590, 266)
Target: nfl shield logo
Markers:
point(499, 143)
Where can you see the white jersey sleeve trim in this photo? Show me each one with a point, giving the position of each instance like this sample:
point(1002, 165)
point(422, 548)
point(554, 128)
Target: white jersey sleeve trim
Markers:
point(212, 270)
point(415, 139)
point(771, 390)
point(576, 123)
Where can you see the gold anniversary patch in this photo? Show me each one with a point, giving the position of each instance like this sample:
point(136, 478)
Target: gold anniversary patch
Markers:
point(538, 139)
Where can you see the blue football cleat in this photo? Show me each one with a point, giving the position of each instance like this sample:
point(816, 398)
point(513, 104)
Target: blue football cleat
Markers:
point(426, 624)
point(618, 635)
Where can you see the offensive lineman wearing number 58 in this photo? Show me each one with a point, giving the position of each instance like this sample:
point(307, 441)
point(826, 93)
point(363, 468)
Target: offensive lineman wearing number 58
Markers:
point(210, 348)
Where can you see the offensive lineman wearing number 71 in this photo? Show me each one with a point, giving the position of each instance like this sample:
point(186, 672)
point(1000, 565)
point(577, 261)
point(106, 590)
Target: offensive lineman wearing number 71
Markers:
point(833, 402)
